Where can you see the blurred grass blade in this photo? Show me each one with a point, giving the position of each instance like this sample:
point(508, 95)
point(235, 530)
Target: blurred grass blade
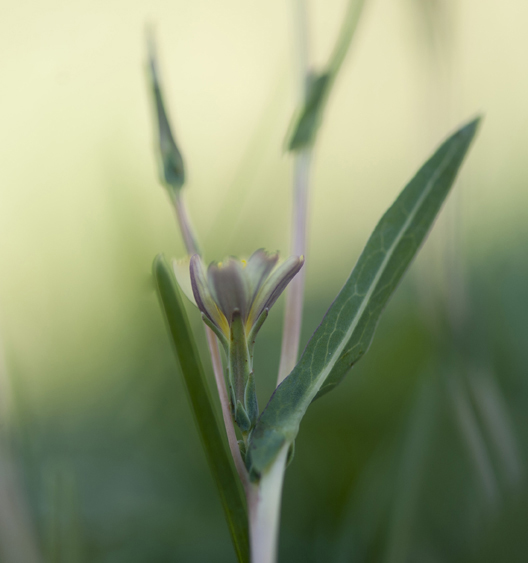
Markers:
point(494, 413)
point(172, 171)
point(307, 121)
point(412, 471)
point(347, 329)
point(473, 438)
point(218, 455)
point(64, 536)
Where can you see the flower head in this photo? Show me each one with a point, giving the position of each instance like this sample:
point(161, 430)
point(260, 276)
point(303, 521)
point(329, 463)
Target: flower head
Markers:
point(234, 297)
point(240, 287)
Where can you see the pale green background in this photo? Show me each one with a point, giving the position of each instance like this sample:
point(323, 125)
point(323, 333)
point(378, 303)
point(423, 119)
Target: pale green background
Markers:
point(82, 213)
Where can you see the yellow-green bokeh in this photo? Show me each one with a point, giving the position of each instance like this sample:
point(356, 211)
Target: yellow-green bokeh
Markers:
point(82, 213)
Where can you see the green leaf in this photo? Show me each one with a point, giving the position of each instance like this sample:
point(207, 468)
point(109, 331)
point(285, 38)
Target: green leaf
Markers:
point(307, 120)
point(214, 444)
point(348, 326)
point(310, 117)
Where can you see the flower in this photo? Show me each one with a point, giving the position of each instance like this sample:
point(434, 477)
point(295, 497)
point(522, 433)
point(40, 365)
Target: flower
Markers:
point(234, 297)
point(249, 287)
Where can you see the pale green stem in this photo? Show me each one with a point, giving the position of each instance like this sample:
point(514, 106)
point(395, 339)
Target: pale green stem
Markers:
point(295, 293)
point(301, 22)
point(293, 310)
point(265, 500)
point(264, 511)
point(346, 33)
point(226, 412)
point(264, 506)
point(189, 239)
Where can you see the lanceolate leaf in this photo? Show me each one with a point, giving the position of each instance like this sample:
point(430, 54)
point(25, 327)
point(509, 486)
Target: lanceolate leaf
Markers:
point(216, 450)
point(347, 329)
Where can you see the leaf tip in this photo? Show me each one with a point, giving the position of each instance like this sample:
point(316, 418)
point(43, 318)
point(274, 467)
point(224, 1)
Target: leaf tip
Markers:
point(471, 128)
point(159, 259)
point(160, 267)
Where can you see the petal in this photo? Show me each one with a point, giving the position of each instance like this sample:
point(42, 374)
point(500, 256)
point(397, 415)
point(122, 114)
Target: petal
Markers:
point(182, 272)
point(274, 286)
point(202, 294)
point(258, 268)
point(228, 286)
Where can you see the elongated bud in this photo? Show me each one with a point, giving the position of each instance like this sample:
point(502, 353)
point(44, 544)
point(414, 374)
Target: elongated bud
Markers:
point(171, 167)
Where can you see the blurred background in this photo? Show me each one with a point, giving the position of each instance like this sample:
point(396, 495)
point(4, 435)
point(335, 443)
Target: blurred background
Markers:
point(420, 456)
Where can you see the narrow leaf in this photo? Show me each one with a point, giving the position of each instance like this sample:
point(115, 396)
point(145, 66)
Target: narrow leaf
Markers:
point(306, 122)
point(216, 450)
point(311, 115)
point(348, 326)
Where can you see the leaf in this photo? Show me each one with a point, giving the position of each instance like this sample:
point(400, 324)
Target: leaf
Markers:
point(347, 329)
point(216, 450)
point(306, 121)
point(311, 115)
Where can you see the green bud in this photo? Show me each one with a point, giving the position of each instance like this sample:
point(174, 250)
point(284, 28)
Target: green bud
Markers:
point(171, 167)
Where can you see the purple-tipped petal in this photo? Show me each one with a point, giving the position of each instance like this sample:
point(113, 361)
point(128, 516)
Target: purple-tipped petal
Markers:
point(259, 267)
point(274, 286)
point(229, 287)
point(204, 299)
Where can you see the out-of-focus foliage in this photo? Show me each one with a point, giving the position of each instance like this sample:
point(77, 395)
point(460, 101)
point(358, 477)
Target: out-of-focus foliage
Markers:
point(421, 455)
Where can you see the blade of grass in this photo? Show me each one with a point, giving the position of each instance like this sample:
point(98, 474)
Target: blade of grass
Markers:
point(217, 453)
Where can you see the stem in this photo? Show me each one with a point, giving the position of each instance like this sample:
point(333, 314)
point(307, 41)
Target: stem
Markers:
point(295, 292)
point(264, 511)
point(189, 239)
point(226, 412)
point(265, 508)
point(303, 47)
point(291, 335)
point(346, 34)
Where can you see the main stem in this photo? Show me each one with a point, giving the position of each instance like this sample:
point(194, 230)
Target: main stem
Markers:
point(264, 511)
point(265, 498)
